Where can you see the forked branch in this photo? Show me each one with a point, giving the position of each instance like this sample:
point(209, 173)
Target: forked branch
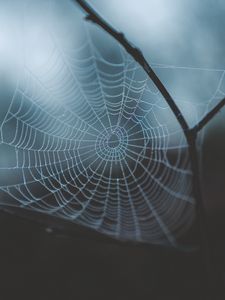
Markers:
point(190, 133)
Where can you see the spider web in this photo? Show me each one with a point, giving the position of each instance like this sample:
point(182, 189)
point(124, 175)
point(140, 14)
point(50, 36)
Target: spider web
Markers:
point(89, 138)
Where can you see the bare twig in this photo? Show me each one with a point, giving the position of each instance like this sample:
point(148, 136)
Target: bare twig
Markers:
point(138, 56)
point(136, 53)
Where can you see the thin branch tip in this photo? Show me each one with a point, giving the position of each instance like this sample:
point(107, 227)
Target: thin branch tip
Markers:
point(209, 116)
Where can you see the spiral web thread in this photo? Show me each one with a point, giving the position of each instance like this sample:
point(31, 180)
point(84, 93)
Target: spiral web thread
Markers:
point(92, 141)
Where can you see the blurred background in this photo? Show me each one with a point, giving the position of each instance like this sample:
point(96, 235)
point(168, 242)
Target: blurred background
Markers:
point(184, 43)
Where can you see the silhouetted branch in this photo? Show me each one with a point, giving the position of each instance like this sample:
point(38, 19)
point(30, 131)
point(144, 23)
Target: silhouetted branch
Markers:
point(190, 133)
point(138, 56)
point(136, 53)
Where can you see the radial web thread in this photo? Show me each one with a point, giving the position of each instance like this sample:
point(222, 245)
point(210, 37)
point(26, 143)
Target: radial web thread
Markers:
point(91, 140)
